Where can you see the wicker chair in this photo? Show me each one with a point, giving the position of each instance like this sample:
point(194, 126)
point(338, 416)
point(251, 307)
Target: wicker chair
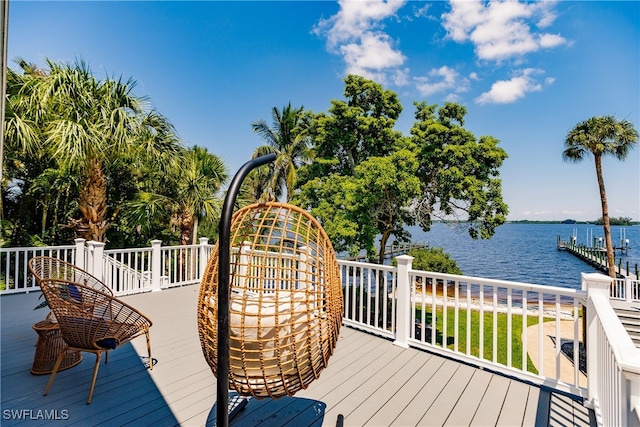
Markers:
point(285, 301)
point(91, 320)
point(43, 267)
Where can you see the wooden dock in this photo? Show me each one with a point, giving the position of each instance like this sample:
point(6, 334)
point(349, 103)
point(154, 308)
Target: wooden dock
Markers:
point(596, 257)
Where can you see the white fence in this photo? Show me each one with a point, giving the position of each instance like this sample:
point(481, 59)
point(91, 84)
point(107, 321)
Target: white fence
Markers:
point(14, 273)
point(470, 319)
point(614, 378)
point(625, 290)
point(126, 271)
point(466, 318)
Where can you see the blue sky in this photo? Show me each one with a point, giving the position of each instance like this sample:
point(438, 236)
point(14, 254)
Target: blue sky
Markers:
point(526, 72)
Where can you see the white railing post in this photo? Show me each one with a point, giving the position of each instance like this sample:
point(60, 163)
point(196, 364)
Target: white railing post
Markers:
point(88, 262)
point(156, 265)
point(302, 268)
point(204, 241)
point(596, 284)
point(403, 326)
point(96, 262)
point(628, 290)
point(243, 264)
point(79, 253)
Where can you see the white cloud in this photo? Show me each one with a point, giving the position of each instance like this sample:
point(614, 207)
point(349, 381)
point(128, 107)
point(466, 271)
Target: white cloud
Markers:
point(423, 11)
point(501, 29)
point(550, 40)
point(507, 91)
point(356, 33)
point(400, 77)
point(372, 52)
point(441, 79)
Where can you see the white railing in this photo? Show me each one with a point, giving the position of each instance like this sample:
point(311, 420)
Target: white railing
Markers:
point(449, 318)
point(500, 313)
point(364, 306)
point(463, 317)
point(128, 271)
point(125, 271)
point(614, 361)
point(181, 265)
point(14, 272)
point(626, 290)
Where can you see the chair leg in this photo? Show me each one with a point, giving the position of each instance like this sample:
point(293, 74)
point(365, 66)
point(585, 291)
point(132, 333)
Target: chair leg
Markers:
point(55, 369)
point(95, 375)
point(149, 350)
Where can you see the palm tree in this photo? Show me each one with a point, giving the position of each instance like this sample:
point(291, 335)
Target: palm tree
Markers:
point(601, 136)
point(198, 183)
point(286, 138)
point(183, 196)
point(86, 126)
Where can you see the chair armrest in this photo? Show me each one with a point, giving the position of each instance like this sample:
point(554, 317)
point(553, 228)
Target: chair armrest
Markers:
point(87, 317)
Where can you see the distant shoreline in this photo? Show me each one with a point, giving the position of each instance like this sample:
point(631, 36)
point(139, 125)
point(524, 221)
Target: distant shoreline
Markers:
point(528, 221)
point(563, 221)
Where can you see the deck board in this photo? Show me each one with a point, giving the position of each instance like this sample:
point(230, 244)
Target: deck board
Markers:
point(443, 405)
point(379, 396)
point(369, 380)
point(489, 411)
point(515, 403)
point(401, 398)
point(363, 400)
point(423, 399)
point(470, 398)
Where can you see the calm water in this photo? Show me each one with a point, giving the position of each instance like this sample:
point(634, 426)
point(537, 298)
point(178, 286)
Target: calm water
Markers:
point(526, 252)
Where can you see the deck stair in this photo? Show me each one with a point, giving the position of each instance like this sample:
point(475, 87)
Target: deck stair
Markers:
point(630, 318)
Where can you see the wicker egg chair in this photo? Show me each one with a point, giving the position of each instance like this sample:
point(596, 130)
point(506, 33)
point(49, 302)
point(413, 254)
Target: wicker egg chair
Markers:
point(285, 302)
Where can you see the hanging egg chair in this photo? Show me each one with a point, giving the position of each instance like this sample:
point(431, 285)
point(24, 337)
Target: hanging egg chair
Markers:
point(285, 301)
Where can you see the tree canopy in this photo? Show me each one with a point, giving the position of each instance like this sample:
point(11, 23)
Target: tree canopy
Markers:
point(83, 155)
point(367, 180)
point(287, 139)
point(433, 259)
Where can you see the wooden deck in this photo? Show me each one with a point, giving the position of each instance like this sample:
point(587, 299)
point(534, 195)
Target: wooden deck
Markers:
point(369, 382)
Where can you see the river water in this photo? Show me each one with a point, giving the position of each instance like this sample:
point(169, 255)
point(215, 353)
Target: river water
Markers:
point(527, 252)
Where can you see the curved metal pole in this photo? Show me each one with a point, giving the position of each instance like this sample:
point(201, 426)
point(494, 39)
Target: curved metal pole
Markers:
point(224, 243)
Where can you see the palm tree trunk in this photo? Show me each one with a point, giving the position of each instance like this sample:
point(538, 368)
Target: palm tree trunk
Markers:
point(611, 263)
point(93, 204)
point(194, 237)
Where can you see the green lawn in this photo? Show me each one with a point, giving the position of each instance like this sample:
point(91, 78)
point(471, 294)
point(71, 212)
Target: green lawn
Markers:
point(502, 338)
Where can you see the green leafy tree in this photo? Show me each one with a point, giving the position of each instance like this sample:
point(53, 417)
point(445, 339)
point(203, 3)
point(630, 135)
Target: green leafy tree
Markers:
point(363, 174)
point(287, 139)
point(23, 161)
point(459, 173)
point(601, 136)
point(434, 259)
point(87, 127)
point(368, 181)
point(182, 197)
point(197, 198)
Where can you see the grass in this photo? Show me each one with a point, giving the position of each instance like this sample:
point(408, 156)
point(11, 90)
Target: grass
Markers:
point(473, 338)
point(502, 337)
